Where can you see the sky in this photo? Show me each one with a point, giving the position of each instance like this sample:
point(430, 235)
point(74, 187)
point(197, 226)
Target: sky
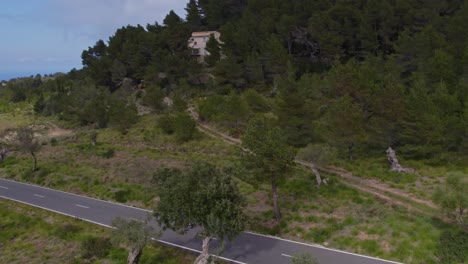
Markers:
point(48, 36)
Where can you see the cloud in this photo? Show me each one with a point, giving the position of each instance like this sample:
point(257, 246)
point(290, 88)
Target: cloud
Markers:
point(95, 19)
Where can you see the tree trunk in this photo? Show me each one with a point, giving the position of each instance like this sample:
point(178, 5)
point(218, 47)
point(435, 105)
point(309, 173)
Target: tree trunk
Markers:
point(134, 256)
point(274, 191)
point(350, 151)
point(318, 177)
point(205, 255)
point(34, 161)
point(3, 154)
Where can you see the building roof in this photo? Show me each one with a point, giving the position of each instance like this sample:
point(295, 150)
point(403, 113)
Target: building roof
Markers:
point(203, 33)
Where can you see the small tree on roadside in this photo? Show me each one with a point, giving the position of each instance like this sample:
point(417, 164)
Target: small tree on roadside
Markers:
point(134, 235)
point(204, 196)
point(453, 198)
point(27, 143)
point(266, 152)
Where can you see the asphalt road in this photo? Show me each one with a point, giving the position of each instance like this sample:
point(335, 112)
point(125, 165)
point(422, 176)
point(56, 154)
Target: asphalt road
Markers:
point(248, 247)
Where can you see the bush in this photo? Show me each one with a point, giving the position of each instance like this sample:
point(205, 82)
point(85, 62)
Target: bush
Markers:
point(453, 246)
point(179, 104)
point(165, 122)
point(211, 107)
point(53, 142)
point(256, 101)
point(109, 153)
point(121, 196)
point(95, 247)
point(66, 231)
point(182, 125)
point(154, 97)
point(122, 114)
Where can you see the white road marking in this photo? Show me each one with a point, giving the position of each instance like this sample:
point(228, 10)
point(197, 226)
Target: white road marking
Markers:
point(288, 256)
point(40, 196)
point(57, 212)
point(248, 232)
point(324, 248)
point(109, 202)
point(3, 187)
point(108, 226)
point(134, 219)
point(194, 250)
point(82, 206)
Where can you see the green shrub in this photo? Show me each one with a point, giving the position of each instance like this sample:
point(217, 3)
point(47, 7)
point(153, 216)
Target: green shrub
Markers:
point(453, 246)
point(53, 142)
point(154, 97)
point(109, 153)
point(66, 231)
point(182, 125)
point(256, 101)
point(27, 175)
point(121, 196)
point(95, 247)
point(211, 107)
point(165, 122)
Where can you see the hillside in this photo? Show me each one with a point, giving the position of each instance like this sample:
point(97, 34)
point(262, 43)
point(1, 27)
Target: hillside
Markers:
point(338, 82)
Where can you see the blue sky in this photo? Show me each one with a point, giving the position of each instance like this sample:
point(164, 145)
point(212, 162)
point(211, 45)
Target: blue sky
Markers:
point(48, 36)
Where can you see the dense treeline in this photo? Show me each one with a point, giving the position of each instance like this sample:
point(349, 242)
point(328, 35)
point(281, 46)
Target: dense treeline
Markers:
point(357, 75)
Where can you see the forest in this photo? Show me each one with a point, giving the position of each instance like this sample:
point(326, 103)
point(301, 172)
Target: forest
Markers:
point(332, 82)
point(358, 75)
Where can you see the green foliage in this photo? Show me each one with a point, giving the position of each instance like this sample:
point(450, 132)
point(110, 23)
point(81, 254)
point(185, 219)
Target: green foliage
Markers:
point(121, 196)
point(214, 48)
point(66, 231)
point(453, 197)
point(109, 153)
point(203, 196)
point(165, 122)
point(154, 97)
point(452, 246)
point(95, 247)
point(211, 107)
point(267, 154)
point(181, 125)
point(317, 153)
point(266, 150)
point(256, 102)
point(122, 114)
point(184, 127)
point(135, 235)
point(28, 144)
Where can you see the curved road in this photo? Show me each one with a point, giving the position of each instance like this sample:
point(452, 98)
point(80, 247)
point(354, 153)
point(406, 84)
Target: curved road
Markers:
point(248, 248)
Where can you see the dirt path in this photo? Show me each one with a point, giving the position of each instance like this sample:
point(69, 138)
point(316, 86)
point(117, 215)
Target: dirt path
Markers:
point(209, 130)
point(377, 185)
point(372, 186)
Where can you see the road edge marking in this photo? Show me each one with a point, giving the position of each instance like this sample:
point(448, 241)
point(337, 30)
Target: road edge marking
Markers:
point(198, 251)
point(61, 213)
point(248, 232)
point(108, 226)
point(323, 247)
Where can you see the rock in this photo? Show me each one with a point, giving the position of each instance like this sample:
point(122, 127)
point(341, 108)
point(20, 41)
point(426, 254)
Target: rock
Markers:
point(394, 164)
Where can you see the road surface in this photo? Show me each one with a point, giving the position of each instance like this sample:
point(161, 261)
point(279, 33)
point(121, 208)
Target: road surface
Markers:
point(248, 248)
